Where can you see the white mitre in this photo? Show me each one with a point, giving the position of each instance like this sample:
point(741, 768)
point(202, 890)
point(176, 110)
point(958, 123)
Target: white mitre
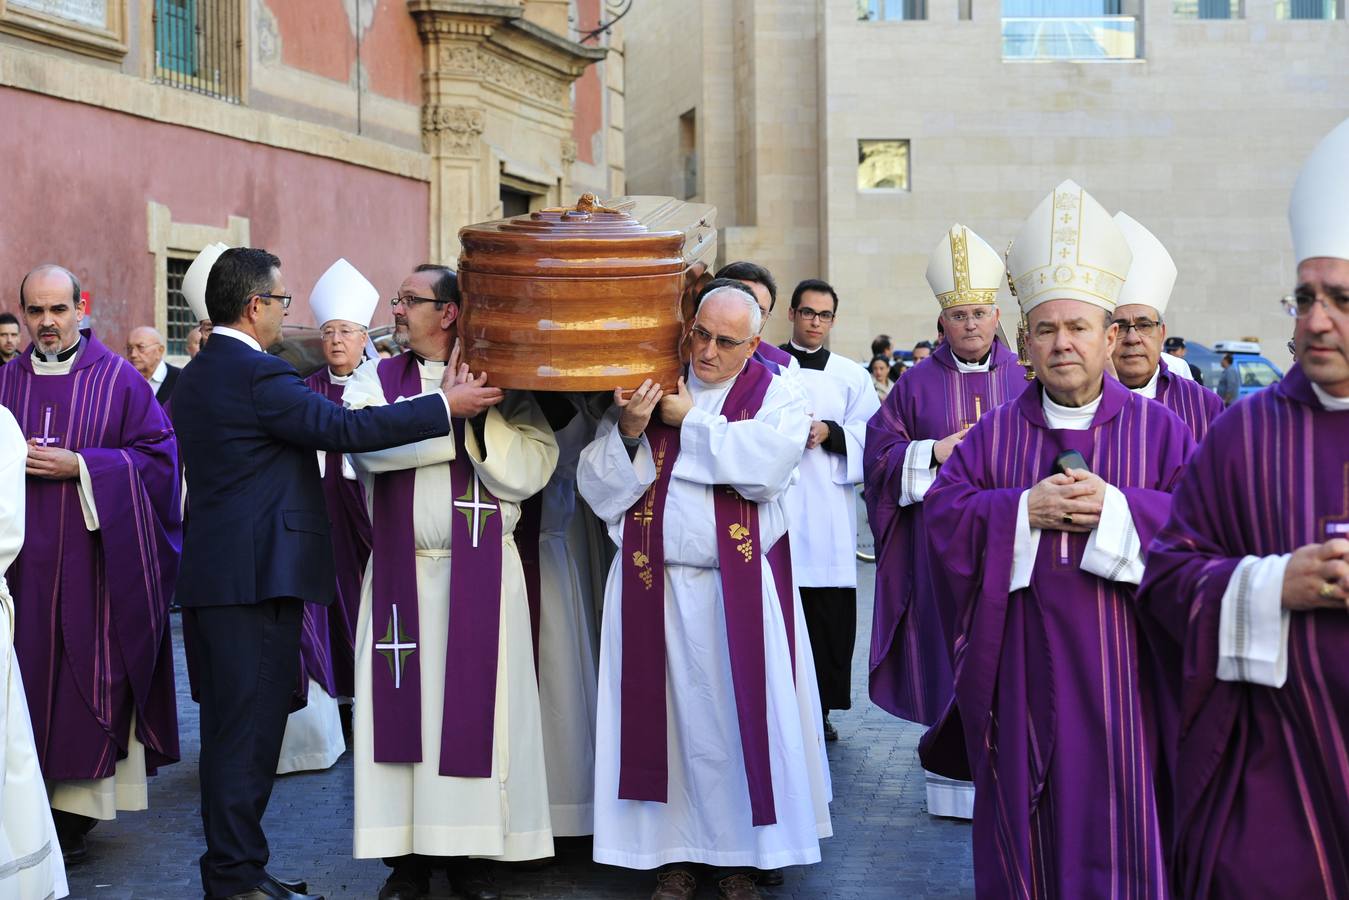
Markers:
point(194, 281)
point(964, 270)
point(1152, 276)
point(343, 293)
point(1069, 249)
point(1319, 211)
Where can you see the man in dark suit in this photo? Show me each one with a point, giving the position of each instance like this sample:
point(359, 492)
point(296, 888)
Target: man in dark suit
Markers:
point(257, 544)
point(145, 351)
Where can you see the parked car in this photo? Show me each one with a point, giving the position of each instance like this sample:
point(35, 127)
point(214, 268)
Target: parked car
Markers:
point(1256, 371)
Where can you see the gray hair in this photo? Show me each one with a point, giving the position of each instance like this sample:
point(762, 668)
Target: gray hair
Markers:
point(745, 297)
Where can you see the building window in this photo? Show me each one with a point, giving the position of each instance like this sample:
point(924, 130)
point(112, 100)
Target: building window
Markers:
point(1068, 29)
point(179, 320)
point(1207, 9)
point(513, 203)
point(882, 165)
point(688, 152)
point(1306, 9)
point(199, 47)
point(891, 10)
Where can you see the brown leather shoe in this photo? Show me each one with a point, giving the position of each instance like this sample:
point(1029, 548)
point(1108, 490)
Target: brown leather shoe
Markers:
point(738, 887)
point(675, 884)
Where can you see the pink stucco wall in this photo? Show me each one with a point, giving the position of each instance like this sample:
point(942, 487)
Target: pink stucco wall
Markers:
point(75, 180)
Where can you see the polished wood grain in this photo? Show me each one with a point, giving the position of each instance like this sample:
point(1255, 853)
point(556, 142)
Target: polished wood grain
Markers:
point(586, 298)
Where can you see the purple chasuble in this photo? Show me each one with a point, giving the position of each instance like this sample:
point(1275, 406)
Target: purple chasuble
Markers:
point(643, 740)
point(91, 608)
point(350, 528)
point(910, 640)
point(1061, 738)
point(1196, 405)
point(1261, 773)
point(466, 732)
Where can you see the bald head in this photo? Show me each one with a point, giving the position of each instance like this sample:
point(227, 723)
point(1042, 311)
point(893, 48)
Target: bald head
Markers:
point(145, 349)
point(725, 333)
point(52, 309)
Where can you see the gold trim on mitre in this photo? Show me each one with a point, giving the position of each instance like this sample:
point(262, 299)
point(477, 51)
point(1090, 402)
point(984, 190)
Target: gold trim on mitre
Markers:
point(1065, 271)
point(964, 295)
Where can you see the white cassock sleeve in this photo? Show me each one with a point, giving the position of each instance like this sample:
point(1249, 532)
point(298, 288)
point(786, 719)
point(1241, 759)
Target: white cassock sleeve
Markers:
point(1025, 547)
point(1114, 551)
point(1253, 625)
point(919, 475)
point(363, 391)
point(862, 405)
point(756, 456)
point(521, 450)
point(605, 477)
point(13, 491)
point(86, 492)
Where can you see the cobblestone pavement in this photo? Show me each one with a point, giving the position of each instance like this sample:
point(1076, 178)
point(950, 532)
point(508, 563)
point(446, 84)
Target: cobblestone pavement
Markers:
point(885, 845)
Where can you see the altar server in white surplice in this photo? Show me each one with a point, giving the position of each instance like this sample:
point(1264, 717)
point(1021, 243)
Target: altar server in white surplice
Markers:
point(448, 755)
point(30, 857)
point(701, 756)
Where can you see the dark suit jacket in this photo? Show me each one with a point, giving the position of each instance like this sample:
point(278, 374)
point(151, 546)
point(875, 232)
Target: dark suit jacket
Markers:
point(166, 389)
point(247, 431)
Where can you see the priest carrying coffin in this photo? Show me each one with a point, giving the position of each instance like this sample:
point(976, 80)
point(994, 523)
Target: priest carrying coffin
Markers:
point(1250, 579)
point(1041, 517)
point(703, 752)
point(92, 602)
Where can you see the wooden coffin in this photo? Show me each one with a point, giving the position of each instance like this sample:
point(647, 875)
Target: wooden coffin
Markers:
point(584, 298)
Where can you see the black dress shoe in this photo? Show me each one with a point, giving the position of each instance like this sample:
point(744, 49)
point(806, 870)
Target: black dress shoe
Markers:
point(830, 732)
point(295, 887)
point(770, 877)
point(270, 890)
point(401, 887)
point(474, 882)
point(73, 849)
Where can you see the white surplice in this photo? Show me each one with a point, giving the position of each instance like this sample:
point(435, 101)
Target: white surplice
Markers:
point(404, 808)
point(313, 740)
point(707, 818)
point(568, 652)
point(30, 857)
point(822, 505)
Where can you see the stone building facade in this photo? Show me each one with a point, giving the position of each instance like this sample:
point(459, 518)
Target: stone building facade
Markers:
point(788, 115)
point(135, 132)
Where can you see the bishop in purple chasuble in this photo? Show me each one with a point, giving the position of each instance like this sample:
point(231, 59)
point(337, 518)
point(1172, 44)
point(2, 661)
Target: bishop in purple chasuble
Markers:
point(1052, 693)
point(1261, 771)
point(910, 666)
point(92, 585)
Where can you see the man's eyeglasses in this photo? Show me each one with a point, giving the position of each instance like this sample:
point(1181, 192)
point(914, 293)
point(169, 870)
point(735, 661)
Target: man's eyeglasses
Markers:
point(410, 301)
point(1144, 327)
point(329, 333)
point(144, 348)
point(805, 312)
point(978, 315)
point(284, 299)
point(1300, 304)
point(724, 344)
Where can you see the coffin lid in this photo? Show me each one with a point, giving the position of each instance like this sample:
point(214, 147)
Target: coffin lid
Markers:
point(640, 235)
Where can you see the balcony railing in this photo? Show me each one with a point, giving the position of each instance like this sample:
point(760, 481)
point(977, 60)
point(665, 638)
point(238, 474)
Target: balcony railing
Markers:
point(1070, 37)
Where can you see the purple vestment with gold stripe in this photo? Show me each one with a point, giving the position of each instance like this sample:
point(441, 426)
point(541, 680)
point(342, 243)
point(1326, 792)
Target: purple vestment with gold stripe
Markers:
point(1261, 773)
point(1050, 680)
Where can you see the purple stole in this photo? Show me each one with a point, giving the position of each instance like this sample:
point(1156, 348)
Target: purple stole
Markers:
point(466, 733)
point(643, 739)
point(780, 555)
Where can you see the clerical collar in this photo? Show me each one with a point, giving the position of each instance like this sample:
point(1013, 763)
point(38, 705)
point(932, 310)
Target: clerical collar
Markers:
point(1149, 390)
point(806, 350)
point(63, 356)
point(980, 366)
point(429, 363)
point(1329, 401)
point(813, 360)
point(246, 339)
point(340, 379)
point(1069, 418)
